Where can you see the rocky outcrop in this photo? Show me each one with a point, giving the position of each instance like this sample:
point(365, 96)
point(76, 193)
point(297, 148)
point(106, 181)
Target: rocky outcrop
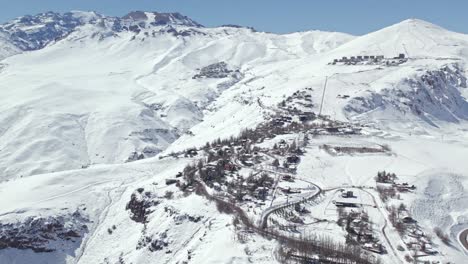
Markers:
point(434, 95)
point(33, 32)
point(44, 234)
point(141, 205)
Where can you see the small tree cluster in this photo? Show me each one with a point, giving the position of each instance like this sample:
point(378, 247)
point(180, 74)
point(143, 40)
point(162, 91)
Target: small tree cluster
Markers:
point(384, 177)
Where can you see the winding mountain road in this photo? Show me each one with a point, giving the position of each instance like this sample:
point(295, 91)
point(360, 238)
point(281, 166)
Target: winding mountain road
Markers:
point(263, 223)
point(463, 237)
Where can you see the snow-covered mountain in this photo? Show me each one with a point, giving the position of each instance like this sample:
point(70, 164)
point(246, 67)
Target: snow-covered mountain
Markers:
point(83, 96)
point(129, 91)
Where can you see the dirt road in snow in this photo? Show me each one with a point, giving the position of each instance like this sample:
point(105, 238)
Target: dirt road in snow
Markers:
point(464, 239)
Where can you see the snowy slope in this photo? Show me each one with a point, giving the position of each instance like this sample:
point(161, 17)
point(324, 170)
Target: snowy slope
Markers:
point(126, 92)
point(7, 48)
point(101, 92)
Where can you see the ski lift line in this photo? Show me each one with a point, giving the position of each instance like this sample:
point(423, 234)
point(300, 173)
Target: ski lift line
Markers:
point(323, 95)
point(406, 51)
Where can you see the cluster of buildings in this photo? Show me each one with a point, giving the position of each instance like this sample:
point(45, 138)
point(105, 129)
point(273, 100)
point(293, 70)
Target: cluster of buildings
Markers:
point(370, 59)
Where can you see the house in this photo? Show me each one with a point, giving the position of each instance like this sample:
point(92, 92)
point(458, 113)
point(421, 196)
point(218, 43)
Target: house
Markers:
point(428, 249)
point(293, 159)
point(287, 177)
point(289, 190)
point(348, 194)
point(192, 152)
point(406, 218)
point(230, 167)
point(217, 186)
point(261, 193)
point(401, 56)
point(332, 129)
point(171, 181)
point(344, 204)
point(304, 118)
point(404, 186)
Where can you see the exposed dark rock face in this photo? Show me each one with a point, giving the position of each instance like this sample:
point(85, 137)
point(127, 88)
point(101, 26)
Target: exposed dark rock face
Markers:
point(43, 234)
point(161, 19)
point(140, 205)
point(33, 32)
point(435, 94)
point(179, 219)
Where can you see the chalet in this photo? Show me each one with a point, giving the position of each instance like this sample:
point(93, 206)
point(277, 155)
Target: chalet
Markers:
point(179, 174)
point(359, 58)
point(366, 57)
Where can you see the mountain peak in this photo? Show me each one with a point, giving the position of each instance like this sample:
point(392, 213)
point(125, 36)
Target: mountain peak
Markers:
point(415, 23)
point(158, 19)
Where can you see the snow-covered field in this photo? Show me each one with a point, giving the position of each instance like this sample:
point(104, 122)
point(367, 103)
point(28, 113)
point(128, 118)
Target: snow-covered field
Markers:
point(76, 114)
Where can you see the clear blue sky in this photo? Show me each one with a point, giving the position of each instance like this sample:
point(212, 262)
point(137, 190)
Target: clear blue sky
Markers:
point(351, 16)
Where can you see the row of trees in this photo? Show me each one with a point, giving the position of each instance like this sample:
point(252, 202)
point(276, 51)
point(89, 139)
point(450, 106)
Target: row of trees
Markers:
point(307, 248)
